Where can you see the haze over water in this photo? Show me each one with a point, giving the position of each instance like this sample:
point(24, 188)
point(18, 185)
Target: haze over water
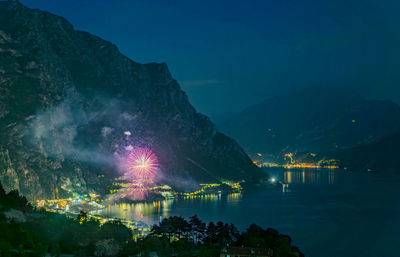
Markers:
point(326, 213)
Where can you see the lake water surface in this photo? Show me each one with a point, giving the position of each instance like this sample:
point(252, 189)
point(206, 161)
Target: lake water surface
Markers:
point(327, 213)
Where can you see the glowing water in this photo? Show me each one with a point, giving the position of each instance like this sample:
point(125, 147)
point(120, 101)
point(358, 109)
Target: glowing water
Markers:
point(327, 213)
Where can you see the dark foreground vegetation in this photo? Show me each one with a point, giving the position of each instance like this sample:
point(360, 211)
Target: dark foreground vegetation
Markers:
point(25, 231)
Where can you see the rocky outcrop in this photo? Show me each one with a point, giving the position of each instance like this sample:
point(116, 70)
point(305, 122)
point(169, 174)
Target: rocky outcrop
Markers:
point(70, 102)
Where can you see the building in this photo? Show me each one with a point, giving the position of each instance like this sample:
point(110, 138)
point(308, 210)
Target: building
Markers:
point(245, 252)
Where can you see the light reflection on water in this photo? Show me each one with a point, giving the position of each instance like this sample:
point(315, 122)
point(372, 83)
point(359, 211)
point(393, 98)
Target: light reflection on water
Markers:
point(144, 212)
point(353, 214)
point(151, 213)
point(308, 177)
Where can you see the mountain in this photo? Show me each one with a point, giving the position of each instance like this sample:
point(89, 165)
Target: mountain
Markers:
point(71, 105)
point(313, 121)
point(377, 156)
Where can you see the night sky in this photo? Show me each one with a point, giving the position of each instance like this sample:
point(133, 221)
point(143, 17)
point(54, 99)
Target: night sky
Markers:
point(231, 54)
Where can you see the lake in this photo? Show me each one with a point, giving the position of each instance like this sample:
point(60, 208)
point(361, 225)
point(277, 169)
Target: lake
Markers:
point(327, 213)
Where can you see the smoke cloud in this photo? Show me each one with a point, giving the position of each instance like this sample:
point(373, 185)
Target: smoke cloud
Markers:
point(56, 131)
point(100, 132)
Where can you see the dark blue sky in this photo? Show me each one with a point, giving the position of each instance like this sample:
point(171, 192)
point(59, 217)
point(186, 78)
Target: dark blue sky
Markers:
point(230, 54)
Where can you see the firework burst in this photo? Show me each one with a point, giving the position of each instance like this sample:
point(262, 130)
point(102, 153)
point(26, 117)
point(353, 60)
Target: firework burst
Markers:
point(142, 164)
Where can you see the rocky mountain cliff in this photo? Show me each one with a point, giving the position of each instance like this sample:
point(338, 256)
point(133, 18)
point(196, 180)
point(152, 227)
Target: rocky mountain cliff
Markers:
point(70, 103)
point(313, 121)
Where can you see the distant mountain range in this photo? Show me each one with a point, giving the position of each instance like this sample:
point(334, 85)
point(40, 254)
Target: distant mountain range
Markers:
point(70, 103)
point(314, 121)
point(377, 156)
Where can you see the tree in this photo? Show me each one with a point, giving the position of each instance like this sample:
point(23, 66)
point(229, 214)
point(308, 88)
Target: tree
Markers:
point(107, 247)
point(115, 230)
point(234, 232)
point(164, 229)
point(253, 237)
point(223, 236)
point(198, 228)
point(226, 233)
point(211, 233)
point(15, 200)
point(179, 226)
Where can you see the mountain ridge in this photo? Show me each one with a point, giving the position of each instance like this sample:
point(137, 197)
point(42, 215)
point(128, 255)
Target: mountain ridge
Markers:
point(312, 121)
point(70, 102)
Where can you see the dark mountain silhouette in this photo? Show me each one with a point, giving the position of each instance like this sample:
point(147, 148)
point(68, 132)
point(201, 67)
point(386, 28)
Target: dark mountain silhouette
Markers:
point(313, 121)
point(70, 102)
point(378, 156)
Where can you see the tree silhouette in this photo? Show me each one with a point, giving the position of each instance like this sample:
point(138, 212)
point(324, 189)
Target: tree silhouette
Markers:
point(211, 233)
point(198, 228)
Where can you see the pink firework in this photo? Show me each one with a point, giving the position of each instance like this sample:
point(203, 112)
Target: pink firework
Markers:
point(142, 164)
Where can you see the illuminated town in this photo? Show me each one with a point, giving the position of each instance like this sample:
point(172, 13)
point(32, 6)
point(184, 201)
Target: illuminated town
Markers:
point(92, 203)
point(137, 187)
point(293, 164)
